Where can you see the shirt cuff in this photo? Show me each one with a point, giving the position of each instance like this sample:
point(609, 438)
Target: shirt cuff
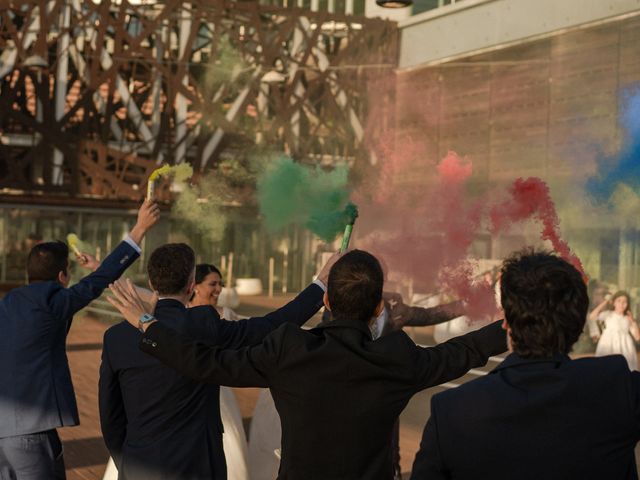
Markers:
point(321, 284)
point(133, 244)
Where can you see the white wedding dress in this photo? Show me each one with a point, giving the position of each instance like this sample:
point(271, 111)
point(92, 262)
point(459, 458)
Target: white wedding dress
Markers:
point(234, 440)
point(616, 338)
point(264, 439)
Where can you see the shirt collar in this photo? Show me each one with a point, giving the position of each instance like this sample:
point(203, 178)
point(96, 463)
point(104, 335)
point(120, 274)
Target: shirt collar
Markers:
point(343, 323)
point(169, 302)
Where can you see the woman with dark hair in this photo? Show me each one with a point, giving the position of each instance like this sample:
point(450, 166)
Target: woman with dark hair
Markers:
point(619, 326)
point(207, 291)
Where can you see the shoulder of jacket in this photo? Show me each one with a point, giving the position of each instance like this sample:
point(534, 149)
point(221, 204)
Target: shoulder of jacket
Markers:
point(118, 329)
point(202, 310)
point(609, 362)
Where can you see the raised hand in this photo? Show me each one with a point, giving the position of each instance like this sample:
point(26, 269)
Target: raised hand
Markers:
point(87, 261)
point(127, 301)
point(148, 216)
point(323, 275)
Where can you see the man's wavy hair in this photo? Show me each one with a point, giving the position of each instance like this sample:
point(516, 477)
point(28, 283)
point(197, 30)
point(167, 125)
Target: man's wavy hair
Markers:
point(171, 267)
point(545, 303)
point(355, 286)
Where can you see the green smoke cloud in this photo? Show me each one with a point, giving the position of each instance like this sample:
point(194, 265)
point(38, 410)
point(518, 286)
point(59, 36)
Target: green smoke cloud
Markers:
point(290, 193)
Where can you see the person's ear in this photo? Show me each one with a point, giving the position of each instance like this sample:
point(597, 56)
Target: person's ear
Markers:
point(63, 278)
point(379, 308)
point(325, 300)
point(191, 288)
point(505, 326)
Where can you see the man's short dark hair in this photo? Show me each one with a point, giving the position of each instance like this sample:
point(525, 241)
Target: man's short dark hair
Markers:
point(46, 260)
point(355, 286)
point(545, 303)
point(170, 268)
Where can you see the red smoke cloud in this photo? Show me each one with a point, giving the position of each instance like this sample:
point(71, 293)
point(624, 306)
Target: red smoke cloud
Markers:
point(530, 198)
point(428, 237)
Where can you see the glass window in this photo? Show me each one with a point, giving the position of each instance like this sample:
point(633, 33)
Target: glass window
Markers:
point(358, 7)
point(420, 6)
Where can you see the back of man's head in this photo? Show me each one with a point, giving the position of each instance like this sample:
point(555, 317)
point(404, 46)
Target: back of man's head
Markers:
point(46, 261)
point(545, 303)
point(171, 268)
point(355, 286)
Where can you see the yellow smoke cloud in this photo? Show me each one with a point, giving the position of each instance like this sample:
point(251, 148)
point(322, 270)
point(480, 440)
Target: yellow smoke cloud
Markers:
point(179, 172)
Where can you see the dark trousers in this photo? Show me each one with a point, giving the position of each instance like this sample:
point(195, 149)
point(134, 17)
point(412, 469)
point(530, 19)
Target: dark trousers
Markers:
point(33, 456)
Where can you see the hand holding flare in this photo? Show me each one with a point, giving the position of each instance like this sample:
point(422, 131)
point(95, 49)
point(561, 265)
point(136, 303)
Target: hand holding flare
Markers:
point(84, 259)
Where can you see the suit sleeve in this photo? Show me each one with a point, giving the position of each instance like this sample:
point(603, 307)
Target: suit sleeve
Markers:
point(113, 419)
point(454, 358)
point(251, 331)
point(67, 301)
point(428, 462)
point(419, 316)
point(246, 367)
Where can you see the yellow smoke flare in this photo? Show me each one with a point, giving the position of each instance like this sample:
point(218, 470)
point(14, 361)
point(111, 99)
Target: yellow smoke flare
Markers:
point(73, 240)
point(180, 173)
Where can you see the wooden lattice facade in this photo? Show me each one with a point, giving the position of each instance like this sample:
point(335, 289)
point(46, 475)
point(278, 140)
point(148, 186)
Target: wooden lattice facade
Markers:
point(94, 95)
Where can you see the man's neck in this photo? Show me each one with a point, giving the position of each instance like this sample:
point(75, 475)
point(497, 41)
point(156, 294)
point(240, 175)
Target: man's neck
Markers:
point(180, 298)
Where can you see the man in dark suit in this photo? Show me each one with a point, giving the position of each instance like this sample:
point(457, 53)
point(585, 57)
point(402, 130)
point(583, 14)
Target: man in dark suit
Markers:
point(36, 393)
point(539, 414)
point(157, 423)
point(337, 391)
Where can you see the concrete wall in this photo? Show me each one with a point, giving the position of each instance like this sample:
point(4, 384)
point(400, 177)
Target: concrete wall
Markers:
point(473, 26)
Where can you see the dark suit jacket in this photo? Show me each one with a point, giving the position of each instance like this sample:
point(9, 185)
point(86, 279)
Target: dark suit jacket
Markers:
point(338, 392)
point(36, 393)
point(536, 419)
point(159, 424)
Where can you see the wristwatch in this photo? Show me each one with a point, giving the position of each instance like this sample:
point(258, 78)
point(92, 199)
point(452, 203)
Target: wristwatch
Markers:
point(144, 318)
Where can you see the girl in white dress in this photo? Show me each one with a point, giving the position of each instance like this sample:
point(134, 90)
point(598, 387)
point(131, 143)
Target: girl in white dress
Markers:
point(618, 329)
point(207, 292)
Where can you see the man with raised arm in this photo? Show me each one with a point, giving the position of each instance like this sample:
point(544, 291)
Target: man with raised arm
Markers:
point(36, 393)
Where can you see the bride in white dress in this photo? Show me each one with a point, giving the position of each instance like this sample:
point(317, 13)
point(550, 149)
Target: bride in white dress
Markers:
point(209, 287)
point(618, 329)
